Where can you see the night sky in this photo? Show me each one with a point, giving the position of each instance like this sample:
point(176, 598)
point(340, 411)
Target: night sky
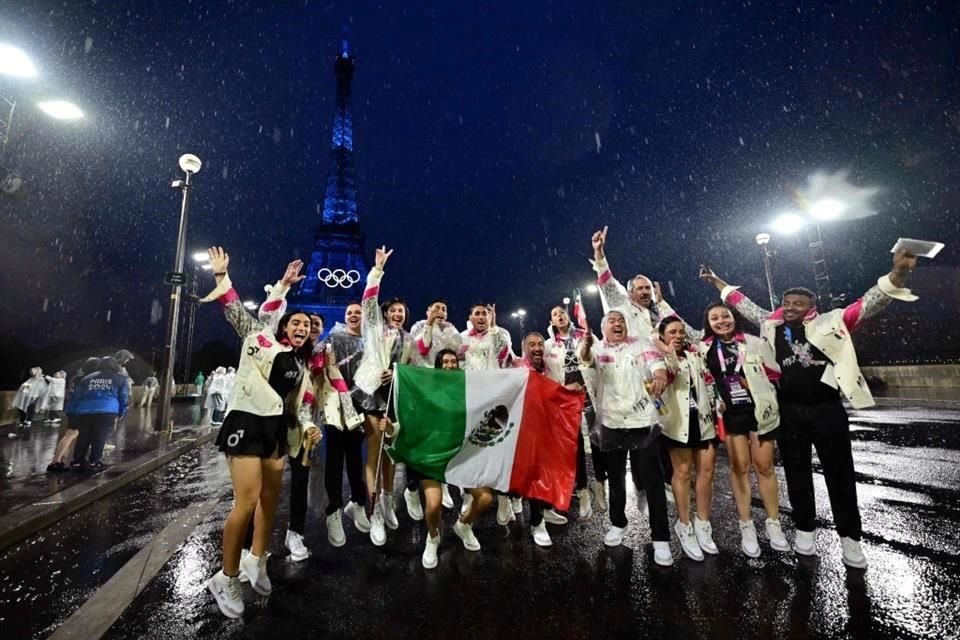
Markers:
point(491, 139)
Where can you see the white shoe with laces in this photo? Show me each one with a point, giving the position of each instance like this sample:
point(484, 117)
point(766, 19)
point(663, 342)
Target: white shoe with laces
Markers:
point(853, 553)
point(550, 516)
point(430, 549)
point(414, 508)
point(389, 511)
point(504, 510)
point(447, 498)
point(298, 550)
point(662, 554)
point(748, 539)
point(255, 568)
point(778, 541)
point(467, 501)
point(540, 535)
point(615, 535)
point(464, 531)
point(358, 514)
point(335, 533)
point(586, 509)
point(805, 543)
point(704, 532)
point(517, 505)
point(226, 591)
point(378, 531)
point(599, 495)
point(688, 541)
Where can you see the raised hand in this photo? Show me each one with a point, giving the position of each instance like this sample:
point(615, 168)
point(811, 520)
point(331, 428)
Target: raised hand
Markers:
point(219, 259)
point(292, 275)
point(599, 240)
point(492, 314)
point(708, 276)
point(903, 263)
point(382, 256)
point(661, 346)
point(658, 292)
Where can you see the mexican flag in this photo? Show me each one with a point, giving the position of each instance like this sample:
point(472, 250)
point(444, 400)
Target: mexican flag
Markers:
point(513, 430)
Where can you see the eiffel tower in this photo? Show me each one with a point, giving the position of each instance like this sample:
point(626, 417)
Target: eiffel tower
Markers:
point(337, 267)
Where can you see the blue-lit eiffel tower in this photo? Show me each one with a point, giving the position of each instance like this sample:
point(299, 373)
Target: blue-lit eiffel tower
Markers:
point(337, 267)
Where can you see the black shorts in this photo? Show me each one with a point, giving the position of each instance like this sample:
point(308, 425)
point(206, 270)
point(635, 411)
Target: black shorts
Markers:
point(697, 444)
point(246, 434)
point(742, 423)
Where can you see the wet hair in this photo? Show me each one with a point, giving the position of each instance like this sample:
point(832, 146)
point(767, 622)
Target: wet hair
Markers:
point(531, 333)
point(323, 320)
point(478, 304)
point(707, 331)
point(637, 277)
point(305, 350)
point(438, 361)
point(89, 366)
point(109, 364)
point(123, 356)
point(385, 307)
point(436, 300)
point(353, 303)
point(800, 291)
point(666, 322)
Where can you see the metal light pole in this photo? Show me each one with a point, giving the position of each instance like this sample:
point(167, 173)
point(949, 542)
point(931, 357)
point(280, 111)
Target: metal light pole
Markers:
point(190, 164)
point(763, 239)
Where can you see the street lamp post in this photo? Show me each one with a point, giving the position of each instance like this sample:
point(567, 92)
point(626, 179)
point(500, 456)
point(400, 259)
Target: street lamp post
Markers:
point(520, 315)
point(190, 164)
point(200, 261)
point(763, 239)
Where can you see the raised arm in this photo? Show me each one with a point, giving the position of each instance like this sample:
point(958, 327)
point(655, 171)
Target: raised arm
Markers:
point(275, 305)
point(238, 317)
point(887, 289)
point(372, 324)
point(586, 350)
point(750, 310)
point(612, 293)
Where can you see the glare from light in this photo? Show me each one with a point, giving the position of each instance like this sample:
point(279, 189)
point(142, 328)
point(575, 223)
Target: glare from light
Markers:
point(189, 163)
point(521, 312)
point(827, 209)
point(592, 288)
point(201, 256)
point(207, 267)
point(566, 301)
point(61, 109)
point(763, 238)
point(250, 304)
point(788, 223)
point(14, 62)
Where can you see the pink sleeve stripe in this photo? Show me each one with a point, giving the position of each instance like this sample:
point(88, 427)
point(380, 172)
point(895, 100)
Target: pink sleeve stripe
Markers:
point(671, 376)
point(605, 358)
point(503, 353)
point(735, 297)
point(339, 385)
point(604, 277)
point(271, 305)
point(772, 374)
point(851, 315)
point(308, 398)
point(371, 292)
point(422, 348)
point(230, 296)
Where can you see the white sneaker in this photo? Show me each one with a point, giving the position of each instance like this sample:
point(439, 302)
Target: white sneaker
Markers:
point(805, 543)
point(586, 509)
point(668, 490)
point(358, 514)
point(429, 557)
point(447, 498)
point(226, 591)
point(298, 550)
point(614, 537)
point(704, 532)
point(464, 531)
point(378, 532)
point(599, 495)
point(467, 501)
point(748, 539)
point(414, 508)
point(517, 504)
point(552, 517)
point(390, 511)
point(255, 568)
point(540, 534)
point(242, 576)
point(778, 541)
point(688, 541)
point(335, 533)
point(853, 553)
point(504, 511)
point(661, 554)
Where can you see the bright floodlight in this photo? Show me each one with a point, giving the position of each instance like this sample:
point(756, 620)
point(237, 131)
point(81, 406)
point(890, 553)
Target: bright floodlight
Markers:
point(566, 301)
point(201, 256)
point(61, 109)
point(827, 208)
point(521, 312)
point(207, 267)
point(250, 304)
point(592, 288)
point(763, 238)
point(14, 62)
point(190, 163)
point(788, 223)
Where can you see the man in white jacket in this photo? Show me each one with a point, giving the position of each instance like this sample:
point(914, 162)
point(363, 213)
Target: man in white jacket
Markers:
point(819, 369)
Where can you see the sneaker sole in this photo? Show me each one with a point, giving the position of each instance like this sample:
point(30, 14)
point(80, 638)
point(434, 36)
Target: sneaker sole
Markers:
point(429, 566)
point(476, 548)
point(783, 547)
point(543, 545)
point(664, 563)
point(859, 565)
point(302, 558)
point(748, 554)
point(692, 557)
point(808, 553)
point(230, 613)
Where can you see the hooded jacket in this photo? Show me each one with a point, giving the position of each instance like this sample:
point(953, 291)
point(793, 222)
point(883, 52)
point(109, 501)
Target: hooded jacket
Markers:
point(684, 373)
point(102, 392)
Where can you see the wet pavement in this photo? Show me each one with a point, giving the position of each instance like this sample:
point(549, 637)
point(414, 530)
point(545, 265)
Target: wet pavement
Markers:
point(24, 456)
point(908, 463)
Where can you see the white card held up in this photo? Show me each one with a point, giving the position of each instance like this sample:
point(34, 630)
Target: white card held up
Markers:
point(919, 248)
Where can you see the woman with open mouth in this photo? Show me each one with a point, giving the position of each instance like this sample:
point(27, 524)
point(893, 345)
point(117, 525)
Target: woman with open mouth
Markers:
point(268, 414)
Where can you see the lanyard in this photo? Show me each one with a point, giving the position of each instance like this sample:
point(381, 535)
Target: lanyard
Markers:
point(788, 334)
point(722, 360)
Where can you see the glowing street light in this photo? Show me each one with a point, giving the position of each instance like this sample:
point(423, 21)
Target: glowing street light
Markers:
point(200, 256)
point(788, 223)
point(827, 209)
point(250, 304)
point(61, 109)
point(763, 239)
point(592, 288)
point(14, 62)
